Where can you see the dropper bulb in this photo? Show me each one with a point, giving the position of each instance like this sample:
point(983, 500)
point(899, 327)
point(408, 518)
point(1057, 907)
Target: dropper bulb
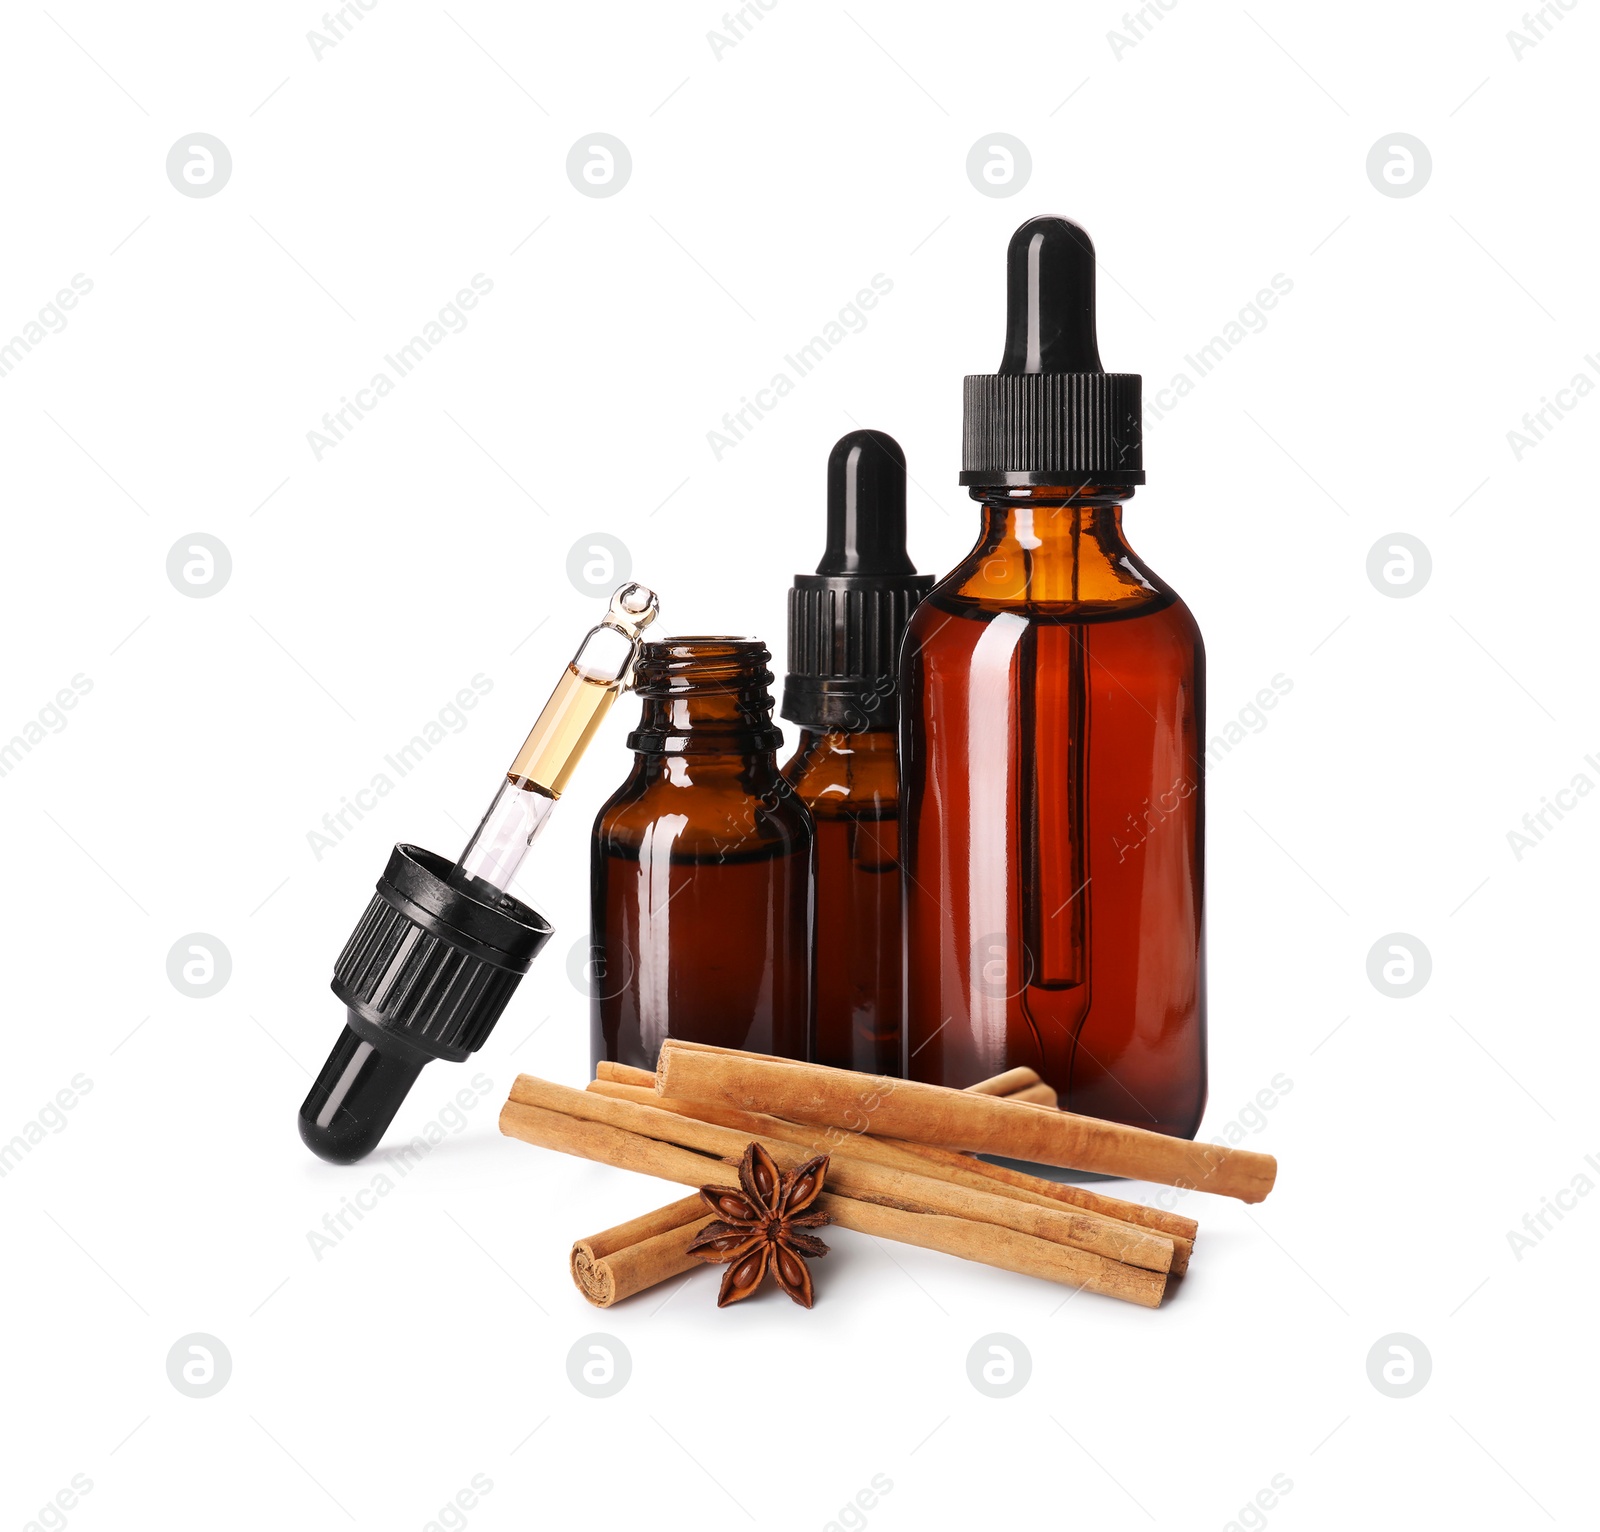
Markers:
point(866, 507)
point(1050, 299)
point(354, 1099)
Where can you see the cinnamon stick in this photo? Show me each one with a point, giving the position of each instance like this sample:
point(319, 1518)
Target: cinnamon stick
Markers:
point(947, 1164)
point(617, 1263)
point(1031, 1095)
point(1180, 1230)
point(624, 1074)
point(952, 1119)
point(1019, 1084)
point(1020, 1078)
point(1099, 1229)
point(545, 1114)
point(856, 1176)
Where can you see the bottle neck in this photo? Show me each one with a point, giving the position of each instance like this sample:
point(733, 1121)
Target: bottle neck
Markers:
point(705, 697)
point(1055, 545)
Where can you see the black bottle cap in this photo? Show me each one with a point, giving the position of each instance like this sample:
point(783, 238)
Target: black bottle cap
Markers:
point(1051, 415)
point(425, 975)
point(846, 620)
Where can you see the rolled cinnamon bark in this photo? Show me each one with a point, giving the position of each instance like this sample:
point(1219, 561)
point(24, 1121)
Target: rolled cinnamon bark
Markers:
point(624, 1074)
point(953, 1119)
point(1180, 1230)
point(997, 1245)
point(946, 1164)
point(1030, 1095)
point(617, 1263)
point(1004, 1084)
point(1019, 1084)
point(1103, 1230)
point(862, 1179)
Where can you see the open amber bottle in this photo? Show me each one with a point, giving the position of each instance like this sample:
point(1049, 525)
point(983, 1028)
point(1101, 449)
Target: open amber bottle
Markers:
point(1051, 727)
point(702, 867)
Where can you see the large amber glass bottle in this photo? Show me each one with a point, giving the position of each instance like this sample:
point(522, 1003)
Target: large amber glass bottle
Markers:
point(1051, 727)
point(702, 867)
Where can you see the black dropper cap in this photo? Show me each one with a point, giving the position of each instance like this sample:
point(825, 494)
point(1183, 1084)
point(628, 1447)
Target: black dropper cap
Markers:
point(846, 620)
point(1051, 415)
point(425, 975)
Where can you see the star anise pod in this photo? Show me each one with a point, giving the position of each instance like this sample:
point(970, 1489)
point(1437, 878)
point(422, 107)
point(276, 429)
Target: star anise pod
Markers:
point(759, 1225)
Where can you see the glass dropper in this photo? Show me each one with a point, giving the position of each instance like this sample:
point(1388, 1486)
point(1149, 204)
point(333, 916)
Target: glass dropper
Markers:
point(599, 673)
point(440, 950)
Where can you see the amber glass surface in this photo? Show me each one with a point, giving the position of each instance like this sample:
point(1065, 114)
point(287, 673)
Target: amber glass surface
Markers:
point(702, 868)
point(851, 785)
point(1052, 824)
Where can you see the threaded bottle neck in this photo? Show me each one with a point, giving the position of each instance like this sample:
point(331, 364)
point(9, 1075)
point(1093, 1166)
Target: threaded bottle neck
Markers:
point(705, 695)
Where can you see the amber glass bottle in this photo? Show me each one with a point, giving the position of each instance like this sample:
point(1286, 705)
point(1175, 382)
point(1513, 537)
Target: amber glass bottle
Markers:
point(1053, 712)
point(702, 867)
point(851, 785)
point(845, 626)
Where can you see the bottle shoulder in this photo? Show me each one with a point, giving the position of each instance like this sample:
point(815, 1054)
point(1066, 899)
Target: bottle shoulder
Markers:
point(1158, 641)
point(954, 598)
point(1051, 563)
point(696, 809)
point(831, 770)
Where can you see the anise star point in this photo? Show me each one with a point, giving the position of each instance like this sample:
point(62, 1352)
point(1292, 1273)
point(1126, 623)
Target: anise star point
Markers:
point(759, 1227)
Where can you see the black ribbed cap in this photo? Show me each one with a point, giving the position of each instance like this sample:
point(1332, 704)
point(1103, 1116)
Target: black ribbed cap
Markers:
point(425, 975)
point(846, 620)
point(1051, 415)
point(430, 964)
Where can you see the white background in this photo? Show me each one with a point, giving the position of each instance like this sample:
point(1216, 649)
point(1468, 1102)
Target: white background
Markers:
point(770, 184)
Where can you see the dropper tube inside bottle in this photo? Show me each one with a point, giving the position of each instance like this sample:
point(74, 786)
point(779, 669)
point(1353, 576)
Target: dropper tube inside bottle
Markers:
point(1051, 344)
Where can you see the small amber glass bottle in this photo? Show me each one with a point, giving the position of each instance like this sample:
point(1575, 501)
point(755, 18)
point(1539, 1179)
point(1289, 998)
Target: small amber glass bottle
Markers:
point(845, 626)
point(702, 867)
point(850, 782)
